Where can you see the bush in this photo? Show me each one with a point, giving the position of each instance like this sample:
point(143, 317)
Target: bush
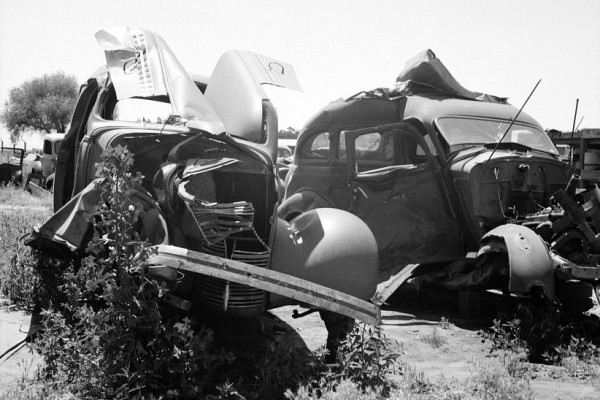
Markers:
point(545, 333)
point(108, 338)
point(366, 359)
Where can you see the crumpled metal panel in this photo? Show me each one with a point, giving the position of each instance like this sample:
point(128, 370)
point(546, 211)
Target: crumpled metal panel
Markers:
point(426, 71)
point(529, 259)
point(141, 64)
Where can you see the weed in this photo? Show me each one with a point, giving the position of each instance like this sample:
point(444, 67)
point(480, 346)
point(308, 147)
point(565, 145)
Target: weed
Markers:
point(367, 357)
point(494, 381)
point(544, 333)
point(434, 339)
point(285, 365)
point(108, 337)
point(444, 323)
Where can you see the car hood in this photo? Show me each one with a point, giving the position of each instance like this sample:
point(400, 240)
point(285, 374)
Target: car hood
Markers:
point(141, 64)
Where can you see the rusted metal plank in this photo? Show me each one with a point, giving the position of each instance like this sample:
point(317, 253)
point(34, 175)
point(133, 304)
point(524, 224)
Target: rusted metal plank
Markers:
point(268, 280)
point(399, 275)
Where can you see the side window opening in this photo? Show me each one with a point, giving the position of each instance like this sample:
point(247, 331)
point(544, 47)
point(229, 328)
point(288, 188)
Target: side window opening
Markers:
point(318, 148)
point(47, 147)
point(375, 150)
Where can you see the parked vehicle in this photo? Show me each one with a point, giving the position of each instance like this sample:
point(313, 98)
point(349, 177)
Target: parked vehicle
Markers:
point(11, 165)
point(564, 151)
point(206, 149)
point(43, 168)
point(445, 178)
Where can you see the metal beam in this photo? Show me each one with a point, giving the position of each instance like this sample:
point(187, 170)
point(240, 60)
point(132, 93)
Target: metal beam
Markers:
point(268, 280)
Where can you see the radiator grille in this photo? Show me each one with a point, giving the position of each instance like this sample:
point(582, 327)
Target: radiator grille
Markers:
point(226, 188)
point(251, 187)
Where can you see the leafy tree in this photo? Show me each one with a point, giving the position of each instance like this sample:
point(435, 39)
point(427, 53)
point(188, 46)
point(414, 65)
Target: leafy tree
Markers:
point(289, 133)
point(43, 103)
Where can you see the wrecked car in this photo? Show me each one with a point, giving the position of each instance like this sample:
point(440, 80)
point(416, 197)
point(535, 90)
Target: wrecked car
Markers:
point(207, 147)
point(444, 177)
point(11, 165)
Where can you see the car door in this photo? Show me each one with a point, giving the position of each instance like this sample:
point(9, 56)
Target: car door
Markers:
point(396, 187)
point(65, 160)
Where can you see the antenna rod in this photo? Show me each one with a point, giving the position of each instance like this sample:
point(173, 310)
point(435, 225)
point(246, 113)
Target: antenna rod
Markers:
point(573, 132)
point(580, 121)
point(512, 122)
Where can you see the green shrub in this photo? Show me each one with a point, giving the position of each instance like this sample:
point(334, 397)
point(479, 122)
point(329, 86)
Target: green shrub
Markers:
point(545, 333)
point(367, 357)
point(108, 338)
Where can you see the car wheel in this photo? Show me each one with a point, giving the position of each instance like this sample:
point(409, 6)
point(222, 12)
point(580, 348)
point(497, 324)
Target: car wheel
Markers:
point(50, 186)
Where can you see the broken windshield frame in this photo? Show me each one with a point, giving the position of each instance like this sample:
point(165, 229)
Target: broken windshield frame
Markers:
point(464, 132)
point(142, 110)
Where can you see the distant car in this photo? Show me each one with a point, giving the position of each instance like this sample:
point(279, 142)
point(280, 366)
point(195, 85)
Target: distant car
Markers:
point(564, 152)
point(43, 169)
point(11, 165)
point(283, 151)
point(289, 143)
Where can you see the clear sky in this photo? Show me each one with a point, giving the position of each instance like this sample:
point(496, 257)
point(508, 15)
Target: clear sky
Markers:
point(337, 47)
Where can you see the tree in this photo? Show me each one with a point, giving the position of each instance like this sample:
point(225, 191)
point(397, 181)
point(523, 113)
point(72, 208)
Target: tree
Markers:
point(43, 103)
point(289, 133)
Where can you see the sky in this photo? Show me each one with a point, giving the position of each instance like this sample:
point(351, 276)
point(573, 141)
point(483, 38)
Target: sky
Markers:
point(337, 48)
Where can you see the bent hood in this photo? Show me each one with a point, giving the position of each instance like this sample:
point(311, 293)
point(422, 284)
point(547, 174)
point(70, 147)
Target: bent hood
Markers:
point(141, 64)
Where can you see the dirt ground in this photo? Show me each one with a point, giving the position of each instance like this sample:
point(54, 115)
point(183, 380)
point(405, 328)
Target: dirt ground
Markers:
point(411, 317)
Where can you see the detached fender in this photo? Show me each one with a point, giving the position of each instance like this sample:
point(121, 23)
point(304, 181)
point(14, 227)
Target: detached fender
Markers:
point(329, 247)
point(301, 202)
point(529, 259)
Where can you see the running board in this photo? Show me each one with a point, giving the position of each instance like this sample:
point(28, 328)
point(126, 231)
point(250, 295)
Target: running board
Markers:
point(268, 280)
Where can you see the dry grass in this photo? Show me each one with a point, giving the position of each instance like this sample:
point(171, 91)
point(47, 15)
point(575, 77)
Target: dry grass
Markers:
point(435, 339)
point(19, 212)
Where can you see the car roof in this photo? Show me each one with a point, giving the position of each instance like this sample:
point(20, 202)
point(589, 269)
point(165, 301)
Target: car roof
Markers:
point(369, 111)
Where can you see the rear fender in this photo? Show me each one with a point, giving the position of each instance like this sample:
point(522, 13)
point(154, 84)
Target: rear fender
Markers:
point(301, 202)
point(529, 259)
point(329, 247)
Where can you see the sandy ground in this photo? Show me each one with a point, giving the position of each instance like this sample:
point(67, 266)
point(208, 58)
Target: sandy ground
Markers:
point(13, 329)
point(409, 320)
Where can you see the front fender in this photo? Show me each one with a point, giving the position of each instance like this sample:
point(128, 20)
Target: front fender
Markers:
point(301, 202)
point(530, 262)
point(330, 247)
point(37, 167)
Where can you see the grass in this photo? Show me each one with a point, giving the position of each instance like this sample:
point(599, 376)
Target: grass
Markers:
point(19, 212)
point(434, 339)
point(500, 378)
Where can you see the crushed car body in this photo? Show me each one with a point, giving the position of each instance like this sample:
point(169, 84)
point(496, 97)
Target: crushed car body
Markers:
point(437, 172)
point(207, 147)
